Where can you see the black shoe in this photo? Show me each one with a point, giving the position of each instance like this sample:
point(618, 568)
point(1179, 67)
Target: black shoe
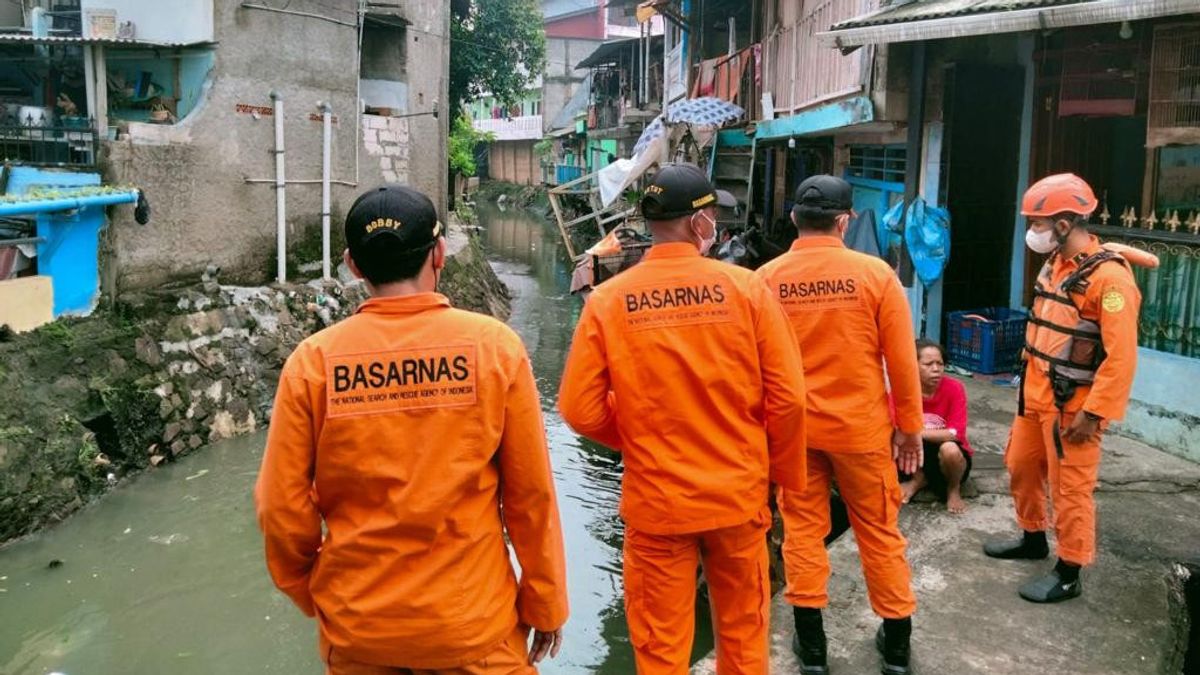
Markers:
point(1018, 549)
point(1051, 588)
point(811, 651)
point(895, 656)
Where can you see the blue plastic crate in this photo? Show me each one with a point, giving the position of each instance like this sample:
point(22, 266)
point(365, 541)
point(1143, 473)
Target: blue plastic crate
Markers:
point(991, 344)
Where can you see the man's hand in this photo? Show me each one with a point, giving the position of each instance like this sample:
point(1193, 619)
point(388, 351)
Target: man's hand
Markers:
point(543, 644)
point(1083, 428)
point(907, 451)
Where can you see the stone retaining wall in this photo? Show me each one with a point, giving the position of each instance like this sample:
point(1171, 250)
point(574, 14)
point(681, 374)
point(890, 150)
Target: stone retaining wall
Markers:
point(85, 402)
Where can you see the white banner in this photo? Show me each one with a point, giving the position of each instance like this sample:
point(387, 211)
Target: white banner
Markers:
point(676, 82)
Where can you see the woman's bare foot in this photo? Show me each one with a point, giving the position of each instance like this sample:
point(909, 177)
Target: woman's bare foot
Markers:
point(955, 503)
point(911, 487)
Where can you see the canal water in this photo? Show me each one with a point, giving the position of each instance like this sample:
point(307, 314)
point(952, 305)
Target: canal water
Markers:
point(165, 575)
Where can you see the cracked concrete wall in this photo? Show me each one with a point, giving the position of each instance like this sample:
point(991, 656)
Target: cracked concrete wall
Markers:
point(195, 172)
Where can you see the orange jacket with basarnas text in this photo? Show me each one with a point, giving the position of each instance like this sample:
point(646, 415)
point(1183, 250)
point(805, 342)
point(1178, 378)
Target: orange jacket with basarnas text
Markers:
point(688, 367)
point(413, 431)
point(850, 315)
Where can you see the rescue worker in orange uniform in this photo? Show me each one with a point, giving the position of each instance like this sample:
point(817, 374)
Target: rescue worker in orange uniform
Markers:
point(850, 317)
point(412, 432)
point(686, 366)
point(1081, 354)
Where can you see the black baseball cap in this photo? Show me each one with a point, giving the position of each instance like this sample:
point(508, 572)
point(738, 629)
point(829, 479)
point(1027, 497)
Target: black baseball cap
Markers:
point(823, 196)
point(681, 189)
point(390, 221)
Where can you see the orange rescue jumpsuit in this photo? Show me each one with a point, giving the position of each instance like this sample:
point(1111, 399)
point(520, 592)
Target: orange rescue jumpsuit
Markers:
point(401, 428)
point(1111, 299)
point(688, 367)
point(849, 314)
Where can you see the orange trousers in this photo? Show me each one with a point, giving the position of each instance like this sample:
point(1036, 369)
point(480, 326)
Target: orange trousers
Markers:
point(510, 657)
point(660, 597)
point(1033, 462)
point(868, 485)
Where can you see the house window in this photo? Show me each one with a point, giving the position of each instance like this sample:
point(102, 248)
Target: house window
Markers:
point(1100, 77)
point(384, 65)
point(878, 162)
point(1175, 80)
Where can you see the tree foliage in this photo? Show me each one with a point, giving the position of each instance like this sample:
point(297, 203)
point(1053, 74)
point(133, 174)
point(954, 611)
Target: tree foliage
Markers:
point(497, 47)
point(463, 139)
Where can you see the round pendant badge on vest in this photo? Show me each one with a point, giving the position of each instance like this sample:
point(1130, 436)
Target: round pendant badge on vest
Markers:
point(1113, 302)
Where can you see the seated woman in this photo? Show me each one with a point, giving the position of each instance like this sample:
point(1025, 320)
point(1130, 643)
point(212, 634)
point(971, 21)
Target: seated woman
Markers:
point(947, 452)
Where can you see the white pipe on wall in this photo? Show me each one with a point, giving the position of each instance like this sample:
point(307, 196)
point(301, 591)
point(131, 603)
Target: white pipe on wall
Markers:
point(280, 194)
point(326, 153)
point(358, 102)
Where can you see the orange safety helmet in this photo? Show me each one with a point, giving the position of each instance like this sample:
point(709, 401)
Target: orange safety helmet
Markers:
point(1061, 193)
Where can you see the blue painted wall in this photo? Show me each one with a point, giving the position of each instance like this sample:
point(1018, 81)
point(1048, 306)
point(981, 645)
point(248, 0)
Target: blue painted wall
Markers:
point(1162, 410)
point(857, 110)
point(194, 68)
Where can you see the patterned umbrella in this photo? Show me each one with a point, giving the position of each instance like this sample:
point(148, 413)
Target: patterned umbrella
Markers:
point(706, 110)
point(652, 131)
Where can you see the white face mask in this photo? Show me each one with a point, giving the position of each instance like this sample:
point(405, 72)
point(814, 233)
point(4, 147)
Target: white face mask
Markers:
point(1041, 242)
point(706, 243)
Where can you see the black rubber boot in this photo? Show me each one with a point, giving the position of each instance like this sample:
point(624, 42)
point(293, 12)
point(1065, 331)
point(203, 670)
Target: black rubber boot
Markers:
point(892, 641)
point(1031, 546)
point(808, 642)
point(1062, 583)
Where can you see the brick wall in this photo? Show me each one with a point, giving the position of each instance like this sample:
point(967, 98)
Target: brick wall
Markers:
point(387, 140)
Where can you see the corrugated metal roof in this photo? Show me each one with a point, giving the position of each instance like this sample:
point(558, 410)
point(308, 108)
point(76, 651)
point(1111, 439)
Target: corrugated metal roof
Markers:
point(610, 52)
point(24, 38)
point(946, 19)
point(924, 10)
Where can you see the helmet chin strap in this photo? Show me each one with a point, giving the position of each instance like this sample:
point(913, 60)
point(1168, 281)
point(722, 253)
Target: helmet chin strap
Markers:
point(1061, 238)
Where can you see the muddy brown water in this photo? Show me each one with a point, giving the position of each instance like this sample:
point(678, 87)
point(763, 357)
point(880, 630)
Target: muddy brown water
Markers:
point(165, 574)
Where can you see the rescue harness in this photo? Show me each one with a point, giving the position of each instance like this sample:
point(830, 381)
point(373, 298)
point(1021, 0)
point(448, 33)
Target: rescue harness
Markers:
point(1071, 345)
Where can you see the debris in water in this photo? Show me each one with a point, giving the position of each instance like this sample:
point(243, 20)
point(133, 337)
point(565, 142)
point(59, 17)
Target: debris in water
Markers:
point(198, 474)
point(54, 564)
point(268, 617)
point(128, 530)
point(175, 538)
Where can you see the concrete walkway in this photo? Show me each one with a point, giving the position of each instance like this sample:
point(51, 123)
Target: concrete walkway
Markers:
point(970, 618)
